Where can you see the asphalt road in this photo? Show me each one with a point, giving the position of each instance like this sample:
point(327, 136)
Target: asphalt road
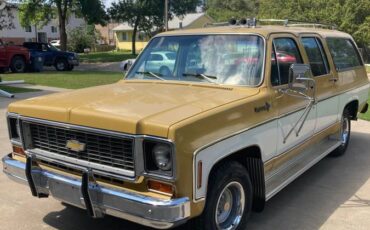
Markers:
point(334, 194)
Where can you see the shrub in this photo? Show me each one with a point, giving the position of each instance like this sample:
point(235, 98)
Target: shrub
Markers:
point(81, 38)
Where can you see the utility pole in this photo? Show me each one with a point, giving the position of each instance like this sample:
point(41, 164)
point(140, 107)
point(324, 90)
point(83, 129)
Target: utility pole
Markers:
point(166, 14)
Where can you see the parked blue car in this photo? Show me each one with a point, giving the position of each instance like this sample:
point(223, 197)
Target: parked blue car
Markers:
point(62, 61)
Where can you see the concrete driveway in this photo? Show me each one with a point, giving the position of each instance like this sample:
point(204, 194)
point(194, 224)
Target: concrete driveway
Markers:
point(334, 194)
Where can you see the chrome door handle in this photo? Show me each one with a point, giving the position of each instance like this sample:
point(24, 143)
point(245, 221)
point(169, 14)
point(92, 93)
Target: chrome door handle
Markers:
point(333, 79)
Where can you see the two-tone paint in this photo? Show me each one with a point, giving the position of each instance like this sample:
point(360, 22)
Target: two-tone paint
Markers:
point(209, 123)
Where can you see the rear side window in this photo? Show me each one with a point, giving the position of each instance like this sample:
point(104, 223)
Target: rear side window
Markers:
point(285, 53)
point(316, 56)
point(344, 52)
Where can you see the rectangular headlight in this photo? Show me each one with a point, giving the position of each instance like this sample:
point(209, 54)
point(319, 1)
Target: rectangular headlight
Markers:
point(158, 158)
point(14, 128)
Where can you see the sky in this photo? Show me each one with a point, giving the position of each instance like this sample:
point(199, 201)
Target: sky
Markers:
point(109, 2)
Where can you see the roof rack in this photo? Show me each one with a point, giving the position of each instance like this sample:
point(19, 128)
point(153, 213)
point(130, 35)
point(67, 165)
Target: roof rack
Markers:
point(248, 22)
point(297, 23)
point(216, 24)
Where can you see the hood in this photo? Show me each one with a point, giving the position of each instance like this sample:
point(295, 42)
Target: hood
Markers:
point(135, 107)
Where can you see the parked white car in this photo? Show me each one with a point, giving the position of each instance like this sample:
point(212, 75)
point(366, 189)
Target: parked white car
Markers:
point(158, 62)
point(55, 43)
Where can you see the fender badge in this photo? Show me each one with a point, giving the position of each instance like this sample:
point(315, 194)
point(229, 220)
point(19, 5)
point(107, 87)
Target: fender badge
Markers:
point(75, 145)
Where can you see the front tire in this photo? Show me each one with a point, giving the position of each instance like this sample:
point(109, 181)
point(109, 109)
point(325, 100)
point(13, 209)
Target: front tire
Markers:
point(345, 135)
point(61, 65)
point(229, 199)
point(18, 65)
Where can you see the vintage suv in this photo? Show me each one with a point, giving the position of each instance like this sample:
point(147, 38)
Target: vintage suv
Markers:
point(243, 111)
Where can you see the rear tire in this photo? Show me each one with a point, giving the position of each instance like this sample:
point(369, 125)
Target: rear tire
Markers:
point(18, 64)
point(61, 65)
point(229, 200)
point(164, 71)
point(345, 135)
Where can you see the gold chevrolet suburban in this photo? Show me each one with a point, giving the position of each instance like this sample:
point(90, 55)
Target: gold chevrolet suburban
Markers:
point(207, 125)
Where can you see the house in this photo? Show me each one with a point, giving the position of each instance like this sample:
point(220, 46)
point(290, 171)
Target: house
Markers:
point(50, 31)
point(124, 32)
point(106, 33)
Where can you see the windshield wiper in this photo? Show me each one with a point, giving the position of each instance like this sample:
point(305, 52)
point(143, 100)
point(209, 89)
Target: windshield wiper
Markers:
point(203, 76)
point(151, 74)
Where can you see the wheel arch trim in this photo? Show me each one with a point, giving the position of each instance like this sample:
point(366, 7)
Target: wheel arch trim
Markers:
point(215, 152)
point(359, 96)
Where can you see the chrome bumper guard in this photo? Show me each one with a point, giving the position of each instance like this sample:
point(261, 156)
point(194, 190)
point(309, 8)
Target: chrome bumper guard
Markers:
point(96, 199)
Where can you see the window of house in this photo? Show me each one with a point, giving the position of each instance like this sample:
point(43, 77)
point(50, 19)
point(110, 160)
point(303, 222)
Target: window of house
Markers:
point(54, 29)
point(28, 29)
point(140, 36)
point(344, 53)
point(124, 36)
point(316, 56)
point(285, 53)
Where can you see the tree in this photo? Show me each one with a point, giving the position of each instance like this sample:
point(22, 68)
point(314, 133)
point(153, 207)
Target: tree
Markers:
point(223, 11)
point(34, 13)
point(63, 9)
point(148, 15)
point(6, 18)
point(350, 16)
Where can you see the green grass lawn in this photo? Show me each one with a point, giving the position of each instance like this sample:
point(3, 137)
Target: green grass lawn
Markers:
point(112, 56)
point(12, 89)
point(67, 80)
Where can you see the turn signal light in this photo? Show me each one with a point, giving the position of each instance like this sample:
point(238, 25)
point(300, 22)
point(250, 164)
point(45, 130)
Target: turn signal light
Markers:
point(160, 187)
point(18, 150)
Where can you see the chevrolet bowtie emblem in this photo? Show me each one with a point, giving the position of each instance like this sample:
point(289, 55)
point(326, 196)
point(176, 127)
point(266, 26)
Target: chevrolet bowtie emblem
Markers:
point(75, 145)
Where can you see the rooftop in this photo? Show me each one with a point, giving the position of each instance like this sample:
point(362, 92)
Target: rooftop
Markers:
point(261, 30)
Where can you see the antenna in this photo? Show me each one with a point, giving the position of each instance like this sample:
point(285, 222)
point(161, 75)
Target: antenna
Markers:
point(2, 4)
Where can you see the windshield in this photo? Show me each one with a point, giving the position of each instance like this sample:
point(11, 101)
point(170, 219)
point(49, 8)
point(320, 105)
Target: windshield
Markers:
point(52, 48)
point(217, 59)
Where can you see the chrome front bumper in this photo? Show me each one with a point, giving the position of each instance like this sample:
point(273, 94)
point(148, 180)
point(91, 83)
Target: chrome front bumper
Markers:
point(96, 199)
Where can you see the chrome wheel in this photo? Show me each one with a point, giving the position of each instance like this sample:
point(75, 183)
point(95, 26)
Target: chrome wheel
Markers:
point(61, 65)
point(230, 206)
point(18, 65)
point(345, 130)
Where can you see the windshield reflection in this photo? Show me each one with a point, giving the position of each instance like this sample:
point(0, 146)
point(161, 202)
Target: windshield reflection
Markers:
point(217, 59)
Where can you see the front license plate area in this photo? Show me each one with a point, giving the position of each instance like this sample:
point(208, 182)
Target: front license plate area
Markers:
point(65, 192)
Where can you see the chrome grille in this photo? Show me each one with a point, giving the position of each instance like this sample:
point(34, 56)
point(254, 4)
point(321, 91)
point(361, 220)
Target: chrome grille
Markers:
point(102, 149)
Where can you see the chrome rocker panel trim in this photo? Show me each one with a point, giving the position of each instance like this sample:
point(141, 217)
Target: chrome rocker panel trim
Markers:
point(144, 210)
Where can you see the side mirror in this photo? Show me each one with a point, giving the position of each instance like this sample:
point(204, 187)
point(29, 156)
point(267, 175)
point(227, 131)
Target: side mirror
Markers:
point(300, 78)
